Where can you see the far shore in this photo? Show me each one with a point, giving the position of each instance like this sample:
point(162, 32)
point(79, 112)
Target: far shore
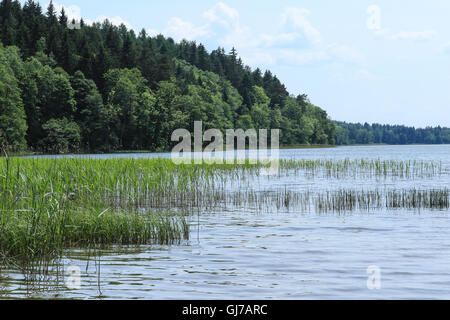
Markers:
point(282, 147)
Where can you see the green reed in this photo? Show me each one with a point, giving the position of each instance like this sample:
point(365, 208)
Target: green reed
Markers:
point(47, 205)
point(362, 168)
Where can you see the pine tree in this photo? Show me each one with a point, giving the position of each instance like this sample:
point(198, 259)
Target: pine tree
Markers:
point(63, 18)
point(128, 56)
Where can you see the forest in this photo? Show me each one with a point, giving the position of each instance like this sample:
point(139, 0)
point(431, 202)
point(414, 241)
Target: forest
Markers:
point(351, 133)
point(66, 86)
point(102, 88)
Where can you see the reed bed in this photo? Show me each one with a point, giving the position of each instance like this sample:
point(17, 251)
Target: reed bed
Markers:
point(337, 201)
point(47, 205)
point(351, 200)
point(362, 168)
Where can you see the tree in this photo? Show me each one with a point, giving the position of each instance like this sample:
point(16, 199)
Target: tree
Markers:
point(47, 94)
point(128, 98)
point(12, 115)
point(91, 115)
point(61, 136)
point(128, 58)
point(260, 110)
point(75, 74)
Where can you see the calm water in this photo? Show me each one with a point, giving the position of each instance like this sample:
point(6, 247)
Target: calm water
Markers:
point(241, 254)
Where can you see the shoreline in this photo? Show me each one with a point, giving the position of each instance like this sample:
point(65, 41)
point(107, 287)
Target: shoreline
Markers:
point(282, 147)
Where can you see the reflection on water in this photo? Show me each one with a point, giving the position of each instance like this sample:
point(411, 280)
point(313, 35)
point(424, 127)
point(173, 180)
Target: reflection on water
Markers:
point(296, 254)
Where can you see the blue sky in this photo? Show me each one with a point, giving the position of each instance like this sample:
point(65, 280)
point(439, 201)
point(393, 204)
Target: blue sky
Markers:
point(374, 61)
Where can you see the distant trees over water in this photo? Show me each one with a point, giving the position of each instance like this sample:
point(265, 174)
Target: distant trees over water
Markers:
point(351, 133)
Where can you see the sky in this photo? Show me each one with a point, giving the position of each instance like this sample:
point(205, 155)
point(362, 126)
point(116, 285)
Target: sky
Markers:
point(362, 61)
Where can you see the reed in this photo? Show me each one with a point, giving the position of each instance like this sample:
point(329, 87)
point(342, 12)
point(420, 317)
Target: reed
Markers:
point(362, 168)
point(47, 205)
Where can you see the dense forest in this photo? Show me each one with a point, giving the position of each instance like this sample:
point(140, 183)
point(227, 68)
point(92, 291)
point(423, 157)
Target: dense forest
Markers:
point(101, 87)
point(66, 86)
point(350, 133)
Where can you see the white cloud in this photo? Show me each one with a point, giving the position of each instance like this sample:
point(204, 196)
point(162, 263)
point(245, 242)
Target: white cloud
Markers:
point(152, 32)
point(74, 12)
point(297, 18)
point(179, 29)
point(294, 40)
point(374, 24)
point(415, 36)
point(223, 14)
point(239, 38)
point(117, 21)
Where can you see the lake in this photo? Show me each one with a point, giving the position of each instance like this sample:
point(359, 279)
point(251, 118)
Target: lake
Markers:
point(243, 253)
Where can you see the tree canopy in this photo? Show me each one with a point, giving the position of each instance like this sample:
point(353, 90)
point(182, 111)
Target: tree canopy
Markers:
point(102, 87)
point(355, 133)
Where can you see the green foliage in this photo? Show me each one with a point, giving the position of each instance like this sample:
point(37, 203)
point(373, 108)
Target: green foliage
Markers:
point(12, 115)
point(61, 136)
point(351, 133)
point(131, 104)
point(126, 91)
point(91, 115)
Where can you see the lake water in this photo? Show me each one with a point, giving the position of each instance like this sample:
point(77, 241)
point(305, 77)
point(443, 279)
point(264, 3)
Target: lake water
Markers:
point(244, 254)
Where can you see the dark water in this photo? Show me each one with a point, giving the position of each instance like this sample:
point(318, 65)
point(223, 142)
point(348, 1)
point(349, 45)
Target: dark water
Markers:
point(242, 254)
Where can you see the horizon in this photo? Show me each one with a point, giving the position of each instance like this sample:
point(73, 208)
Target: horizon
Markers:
point(357, 62)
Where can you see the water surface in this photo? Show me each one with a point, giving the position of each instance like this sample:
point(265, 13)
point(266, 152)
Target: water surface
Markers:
point(245, 254)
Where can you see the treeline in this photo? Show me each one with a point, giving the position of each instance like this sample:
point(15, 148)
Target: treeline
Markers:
point(351, 133)
point(101, 88)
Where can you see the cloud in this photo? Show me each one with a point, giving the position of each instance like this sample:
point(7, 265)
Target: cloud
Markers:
point(152, 32)
point(179, 29)
point(117, 21)
point(297, 18)
point(415, 36)
point(293, 41)
point(223, 14)
point(74, 12)
point(374, 24)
